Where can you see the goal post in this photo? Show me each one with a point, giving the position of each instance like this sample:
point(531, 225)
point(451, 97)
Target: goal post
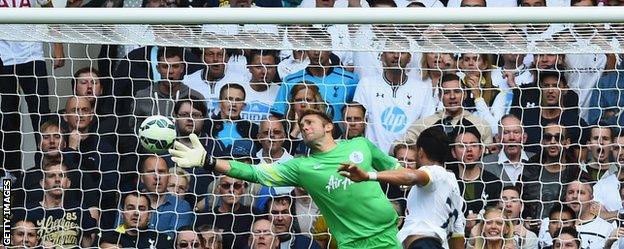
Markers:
point(435, 29)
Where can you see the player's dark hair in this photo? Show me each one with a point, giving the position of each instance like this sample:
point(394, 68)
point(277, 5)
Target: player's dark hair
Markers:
point(560, 208)
point(435, 143)
point(138, 195)
point(572, 232)
point(195, 102)
point(81, 71)
point(229, 86)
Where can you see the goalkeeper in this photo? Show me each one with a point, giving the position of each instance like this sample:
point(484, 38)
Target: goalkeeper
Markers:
point(358, 215)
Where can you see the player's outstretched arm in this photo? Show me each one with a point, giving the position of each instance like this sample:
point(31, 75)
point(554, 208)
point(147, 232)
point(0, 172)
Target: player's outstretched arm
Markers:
point(400, 176)
point(187, 157)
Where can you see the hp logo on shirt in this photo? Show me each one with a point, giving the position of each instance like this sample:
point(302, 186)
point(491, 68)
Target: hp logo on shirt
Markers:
point(393, 119)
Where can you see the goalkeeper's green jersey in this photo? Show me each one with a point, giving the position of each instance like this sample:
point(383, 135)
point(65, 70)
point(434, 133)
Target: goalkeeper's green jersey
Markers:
point(353, 211)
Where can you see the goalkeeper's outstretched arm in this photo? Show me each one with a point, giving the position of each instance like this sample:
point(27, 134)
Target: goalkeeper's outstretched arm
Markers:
point(400, 176)
point(268, 175)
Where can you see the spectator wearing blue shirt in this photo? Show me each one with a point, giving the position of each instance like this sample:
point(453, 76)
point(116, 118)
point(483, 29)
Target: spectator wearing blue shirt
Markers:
point(336, 85)
point(229, 134)
point(171, 211)
point(607, 99)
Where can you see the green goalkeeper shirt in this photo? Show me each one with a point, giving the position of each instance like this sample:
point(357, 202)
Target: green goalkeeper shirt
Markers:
point(353, 210)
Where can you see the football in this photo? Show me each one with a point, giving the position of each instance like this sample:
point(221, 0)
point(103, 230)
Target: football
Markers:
point(157, 134)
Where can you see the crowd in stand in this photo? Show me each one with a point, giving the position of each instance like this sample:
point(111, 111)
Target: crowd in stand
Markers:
point(536, 138)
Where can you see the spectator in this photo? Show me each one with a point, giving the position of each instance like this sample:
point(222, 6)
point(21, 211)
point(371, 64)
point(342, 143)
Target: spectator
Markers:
point(600, 148)
point(272, 137)
point(263, 236)
point(179, 182)
point(510, 76)
point(171, 212)
point(53, 147)
point(87, 82)
point(210, 80)
point(283, 220)
point(136, 211)
point(171, 67)
point(550, 109)
point(334, 83)
point(190, 114)
point(452, 96)
point(508, 164)
point(473, 3)
point(593, 230)
point(355, 120)
point(618, 152)
point(303, 96)
point(545, 172)
point(230, 135)
point(187, 237)
point(230, 215)
point(211, 237)
point(568, 238)
point(479, 188)
point(495, 231)
point(559, 217)
point(94, 156)
point(61, 222)
point(512, 206)
point(139, 70)
point(22, 65)
point(24, 234)
point(433, 66)
point(263, 85)
point(393, 98)
point(478, 79)
point(606, 100)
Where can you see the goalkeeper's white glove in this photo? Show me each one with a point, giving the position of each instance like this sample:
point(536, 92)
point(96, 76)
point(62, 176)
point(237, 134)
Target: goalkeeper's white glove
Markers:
point(187, 157)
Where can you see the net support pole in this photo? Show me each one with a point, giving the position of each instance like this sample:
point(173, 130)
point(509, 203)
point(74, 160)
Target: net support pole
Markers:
point(310, 15)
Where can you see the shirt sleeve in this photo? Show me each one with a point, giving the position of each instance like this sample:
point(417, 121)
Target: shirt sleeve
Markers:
point(280, 105)
point(280, 174)
point(381, 161)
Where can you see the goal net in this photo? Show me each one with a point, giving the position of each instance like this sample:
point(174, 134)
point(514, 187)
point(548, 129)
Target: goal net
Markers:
point(530, 98)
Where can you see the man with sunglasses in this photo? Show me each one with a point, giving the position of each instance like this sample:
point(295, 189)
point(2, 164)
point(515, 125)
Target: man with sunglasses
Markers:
point(546, 172)
point(230, 214)
point(369, 225)
point(188, 238)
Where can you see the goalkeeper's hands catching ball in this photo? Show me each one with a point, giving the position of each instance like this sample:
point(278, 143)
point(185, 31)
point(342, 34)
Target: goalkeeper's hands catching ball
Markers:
point(187, 157)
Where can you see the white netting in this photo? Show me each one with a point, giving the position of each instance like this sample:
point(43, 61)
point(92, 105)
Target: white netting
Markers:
point(563, 83)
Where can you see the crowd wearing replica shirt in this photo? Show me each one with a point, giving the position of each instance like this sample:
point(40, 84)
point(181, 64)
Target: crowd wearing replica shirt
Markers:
point(400, 149)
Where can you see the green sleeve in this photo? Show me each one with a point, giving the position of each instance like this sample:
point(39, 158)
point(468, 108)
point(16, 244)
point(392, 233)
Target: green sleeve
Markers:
point(380, 160)
point(279, 174)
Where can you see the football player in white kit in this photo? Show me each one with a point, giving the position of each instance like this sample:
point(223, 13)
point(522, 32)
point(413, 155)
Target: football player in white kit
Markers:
point(434, 203)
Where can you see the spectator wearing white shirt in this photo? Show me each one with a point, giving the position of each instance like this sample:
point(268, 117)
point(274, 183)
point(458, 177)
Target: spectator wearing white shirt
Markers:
point(508, 164)
point(394, 99)
point(592, 229)
point(263, 85)
point(213, 77)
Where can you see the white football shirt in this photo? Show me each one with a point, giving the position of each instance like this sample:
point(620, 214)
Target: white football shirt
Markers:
point(434, 210)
